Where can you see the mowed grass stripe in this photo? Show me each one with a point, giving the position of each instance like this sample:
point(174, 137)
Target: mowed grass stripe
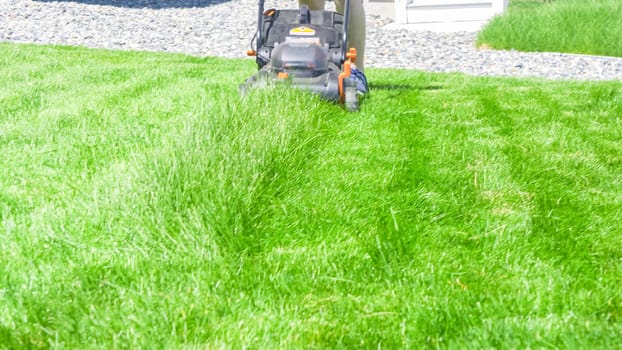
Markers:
point(566, 196)
point(72, 132)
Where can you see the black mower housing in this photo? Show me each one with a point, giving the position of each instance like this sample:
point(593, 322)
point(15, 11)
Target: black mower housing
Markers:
point(304, 48)
point(325, 28)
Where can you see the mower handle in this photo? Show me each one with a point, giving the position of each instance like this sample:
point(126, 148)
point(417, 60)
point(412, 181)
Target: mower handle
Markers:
point(260, 24)
point(346, 26)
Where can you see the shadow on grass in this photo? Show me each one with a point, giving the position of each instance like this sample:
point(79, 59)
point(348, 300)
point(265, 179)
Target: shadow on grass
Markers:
point(403, 87)
point(152, 4)
point(396, 90)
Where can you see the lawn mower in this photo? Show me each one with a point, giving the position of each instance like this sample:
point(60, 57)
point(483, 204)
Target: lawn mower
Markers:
point(307, 49)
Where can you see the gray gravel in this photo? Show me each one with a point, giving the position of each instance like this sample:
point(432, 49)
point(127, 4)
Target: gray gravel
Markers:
point(224, 28)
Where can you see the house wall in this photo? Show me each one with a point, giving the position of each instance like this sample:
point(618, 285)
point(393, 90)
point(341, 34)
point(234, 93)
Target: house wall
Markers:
point(431, 11)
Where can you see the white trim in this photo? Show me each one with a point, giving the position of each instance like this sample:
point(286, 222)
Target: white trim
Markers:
point(440, 3)
point(400, 11)
point(432, 11)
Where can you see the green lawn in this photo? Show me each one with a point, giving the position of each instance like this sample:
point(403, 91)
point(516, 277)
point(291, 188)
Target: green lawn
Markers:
point(573, 26)
point(144, 204)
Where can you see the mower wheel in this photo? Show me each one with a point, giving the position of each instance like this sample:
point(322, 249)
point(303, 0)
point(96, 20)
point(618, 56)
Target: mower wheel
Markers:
point(351, 99)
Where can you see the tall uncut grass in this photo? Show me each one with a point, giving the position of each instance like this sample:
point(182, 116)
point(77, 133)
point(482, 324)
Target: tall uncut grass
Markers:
point(572, 26)
point(145, 204)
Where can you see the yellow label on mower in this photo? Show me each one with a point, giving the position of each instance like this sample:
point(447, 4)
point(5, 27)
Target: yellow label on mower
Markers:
point(302, 31)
